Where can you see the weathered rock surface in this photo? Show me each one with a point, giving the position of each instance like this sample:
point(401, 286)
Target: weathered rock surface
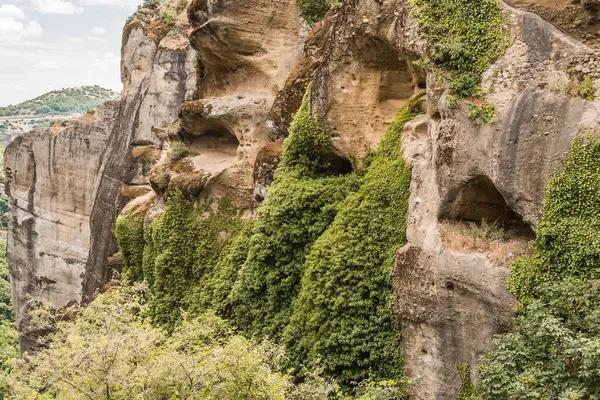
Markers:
point(64, 183)
point(452, 301)
point(225, 81)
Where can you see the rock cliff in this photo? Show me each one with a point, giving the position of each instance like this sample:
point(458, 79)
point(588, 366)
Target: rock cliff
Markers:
point(224, 78)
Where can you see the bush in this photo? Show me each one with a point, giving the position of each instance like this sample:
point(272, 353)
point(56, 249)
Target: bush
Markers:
point(553, 354)
point(169, 16)
point(313, 10)
point(587, 89)
point(151, 4)
point(178, 151)
point(480, 114)
point(465, 37)
point(343, 317)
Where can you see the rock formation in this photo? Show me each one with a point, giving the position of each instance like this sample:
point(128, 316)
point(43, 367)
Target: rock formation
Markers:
point(225, 79)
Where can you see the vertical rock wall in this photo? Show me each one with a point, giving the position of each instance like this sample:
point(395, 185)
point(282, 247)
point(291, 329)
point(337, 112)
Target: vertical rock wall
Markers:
point(225, 80)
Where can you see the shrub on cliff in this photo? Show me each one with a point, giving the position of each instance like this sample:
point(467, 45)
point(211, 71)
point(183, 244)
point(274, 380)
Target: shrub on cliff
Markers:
point(302, 202)
point(343, 317)
point(313, 10)
point(465, 37)
point(554, 352)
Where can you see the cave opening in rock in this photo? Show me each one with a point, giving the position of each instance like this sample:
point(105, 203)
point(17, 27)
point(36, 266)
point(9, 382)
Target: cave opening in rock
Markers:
point(214, 147)
point(339, 165)
point(479, 201)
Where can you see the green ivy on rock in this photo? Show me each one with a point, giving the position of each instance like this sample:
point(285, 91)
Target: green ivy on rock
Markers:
point(465, 38)
point(302, 202)
point(180, 255)
point(343, 317)
point(568, 238)
point(554, 351)
point(129, 231)
point(313, 10)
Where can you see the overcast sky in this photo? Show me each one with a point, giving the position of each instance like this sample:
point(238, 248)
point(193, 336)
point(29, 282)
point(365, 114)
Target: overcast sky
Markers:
point(54, 44)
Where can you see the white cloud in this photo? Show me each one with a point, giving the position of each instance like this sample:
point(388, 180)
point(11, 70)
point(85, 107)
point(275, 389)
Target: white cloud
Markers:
point(56, 7)
point(113, 3)
point(98, 30)
point(11, 11)
point(46, 65)
point(15, 30)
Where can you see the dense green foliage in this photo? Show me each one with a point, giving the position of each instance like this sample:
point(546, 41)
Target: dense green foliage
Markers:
point(129, 231)
point(466, 384)
point(65, 101)
point(484, 113)
point(465, 37)
point(554, 352)
point(313, 271)
point(313, 10)
point(301, 204)
point(295, 214)
point(568, 237)
point(111, 352)
point(587, 89)
point(180, 255)
point(343, 317)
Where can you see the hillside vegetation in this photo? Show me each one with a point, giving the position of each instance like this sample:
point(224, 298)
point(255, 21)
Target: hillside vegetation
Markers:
point(64, 101)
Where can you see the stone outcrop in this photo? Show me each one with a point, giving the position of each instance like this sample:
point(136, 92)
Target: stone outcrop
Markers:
point(207, 102)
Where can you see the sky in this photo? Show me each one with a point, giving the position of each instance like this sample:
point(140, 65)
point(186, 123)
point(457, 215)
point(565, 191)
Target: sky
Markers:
point(53, 44)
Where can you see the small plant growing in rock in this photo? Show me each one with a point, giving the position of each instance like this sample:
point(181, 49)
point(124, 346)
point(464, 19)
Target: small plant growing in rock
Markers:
point(587, 89)
point(451, 102)
point(178, 151)
point(313, 10)
point(151, 4)
point(484, 113)
point(169, 16)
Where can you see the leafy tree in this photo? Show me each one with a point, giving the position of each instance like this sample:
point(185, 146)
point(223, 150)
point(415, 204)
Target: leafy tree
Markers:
point(111, 352)
point(554, 353)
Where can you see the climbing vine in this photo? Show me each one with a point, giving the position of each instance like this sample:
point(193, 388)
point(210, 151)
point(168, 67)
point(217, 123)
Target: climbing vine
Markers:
point(568, 237)
point(343, 317)
point(130, 238)
point(302, 203)
point(465, 37)
point(314, 271)
point(180, 255)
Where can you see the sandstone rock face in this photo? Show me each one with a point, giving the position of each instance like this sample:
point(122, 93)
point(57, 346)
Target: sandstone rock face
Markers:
point(51, 180)
point(579, 19)
point(453, 300)
point(205, 107)
point(64, 183)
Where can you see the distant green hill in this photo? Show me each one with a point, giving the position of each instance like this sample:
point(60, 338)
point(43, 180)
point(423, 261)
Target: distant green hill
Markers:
point(65, 101)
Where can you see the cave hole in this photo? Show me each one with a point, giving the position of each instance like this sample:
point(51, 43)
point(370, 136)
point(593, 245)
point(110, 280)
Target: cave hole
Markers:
point(214, 147)
point(479, 200)
point(339, 165)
